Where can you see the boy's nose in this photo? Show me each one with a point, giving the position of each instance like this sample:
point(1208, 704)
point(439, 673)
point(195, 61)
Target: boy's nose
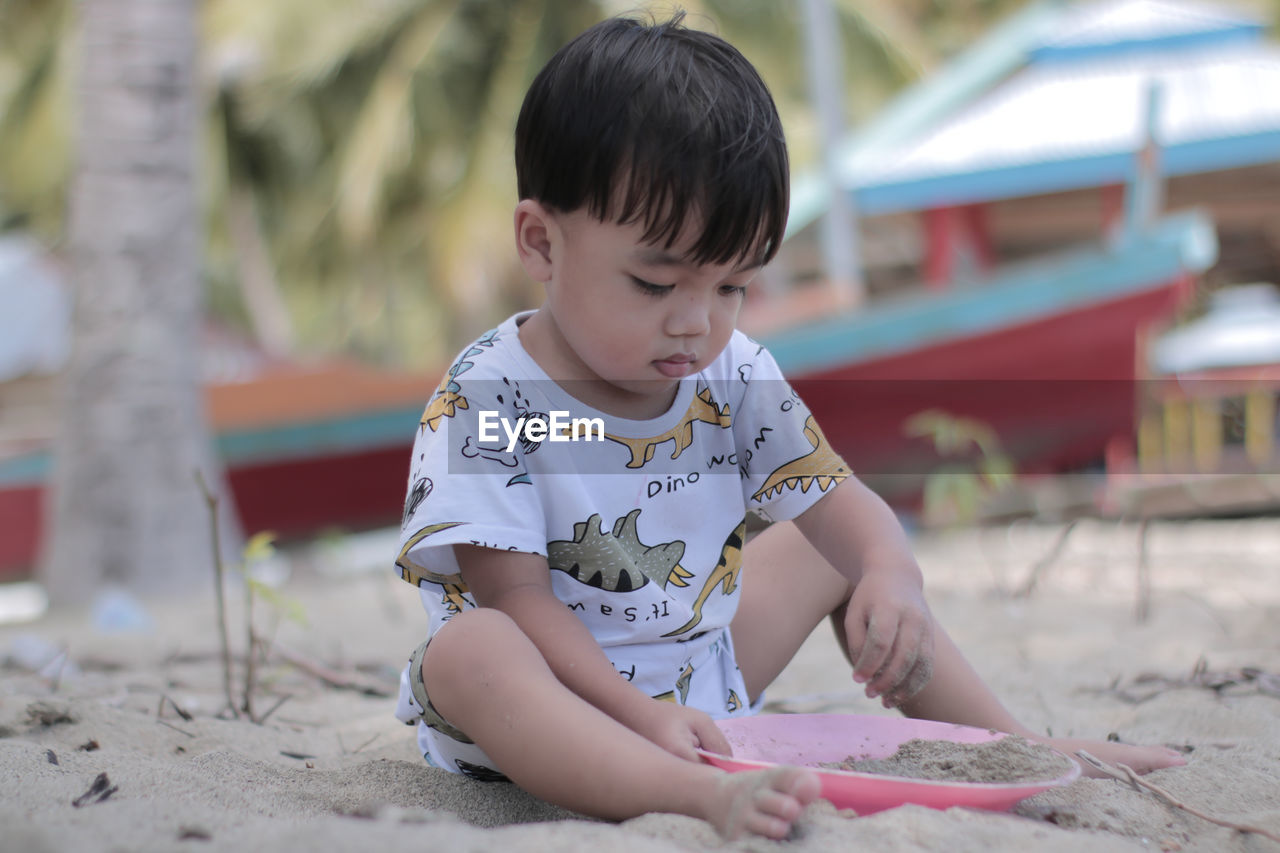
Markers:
point(691, 316)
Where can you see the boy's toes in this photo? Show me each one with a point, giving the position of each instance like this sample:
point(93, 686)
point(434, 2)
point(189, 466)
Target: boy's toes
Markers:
point(768, 802)
point(789, 790)
point(804, 785)
point(1146, 759)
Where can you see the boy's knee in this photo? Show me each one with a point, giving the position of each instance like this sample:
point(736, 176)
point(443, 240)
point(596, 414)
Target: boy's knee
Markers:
point(469, 644)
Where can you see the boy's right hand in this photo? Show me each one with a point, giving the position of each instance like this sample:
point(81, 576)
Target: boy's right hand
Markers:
point(889, 630)
point(681, 730)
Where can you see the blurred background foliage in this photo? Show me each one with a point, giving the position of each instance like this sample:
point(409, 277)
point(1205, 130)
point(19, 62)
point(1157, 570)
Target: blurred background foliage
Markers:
point(357, 177)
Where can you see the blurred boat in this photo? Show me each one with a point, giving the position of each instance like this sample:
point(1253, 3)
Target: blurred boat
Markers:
point(1046, 354)
point(307, 448)
point(1014, 236)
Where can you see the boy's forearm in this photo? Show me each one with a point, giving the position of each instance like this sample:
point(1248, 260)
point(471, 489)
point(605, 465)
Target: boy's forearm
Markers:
point(857, 532)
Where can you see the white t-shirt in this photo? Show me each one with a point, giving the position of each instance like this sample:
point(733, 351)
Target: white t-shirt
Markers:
point(642, 522)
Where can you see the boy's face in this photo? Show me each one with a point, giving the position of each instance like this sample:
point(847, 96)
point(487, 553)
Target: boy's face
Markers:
point(625, 320)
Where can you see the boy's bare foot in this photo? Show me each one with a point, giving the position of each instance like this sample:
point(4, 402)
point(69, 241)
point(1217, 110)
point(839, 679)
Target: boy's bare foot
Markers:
point(1143, 759)
point(764, 802)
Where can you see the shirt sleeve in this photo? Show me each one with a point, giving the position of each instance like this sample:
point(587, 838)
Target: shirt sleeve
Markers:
point(789, 464)
point(468, 484)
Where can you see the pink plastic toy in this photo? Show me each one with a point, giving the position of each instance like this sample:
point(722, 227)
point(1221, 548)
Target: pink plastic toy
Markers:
point(811, 739)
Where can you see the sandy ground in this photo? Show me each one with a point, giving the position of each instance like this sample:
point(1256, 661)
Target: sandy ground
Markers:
point(330, 769)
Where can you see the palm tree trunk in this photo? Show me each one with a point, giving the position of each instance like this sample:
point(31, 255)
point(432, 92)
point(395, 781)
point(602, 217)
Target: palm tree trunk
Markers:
point(124, 508)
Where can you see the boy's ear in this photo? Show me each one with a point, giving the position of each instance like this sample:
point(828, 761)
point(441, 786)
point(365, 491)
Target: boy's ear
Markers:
point(536, 233)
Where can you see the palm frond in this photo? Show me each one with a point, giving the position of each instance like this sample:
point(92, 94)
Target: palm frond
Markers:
point(382, 140)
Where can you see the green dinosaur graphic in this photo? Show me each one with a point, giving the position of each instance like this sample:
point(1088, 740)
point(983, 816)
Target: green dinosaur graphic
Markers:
point(617, 561)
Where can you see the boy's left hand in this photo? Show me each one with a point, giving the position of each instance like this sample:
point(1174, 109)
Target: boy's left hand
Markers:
point(890, 634)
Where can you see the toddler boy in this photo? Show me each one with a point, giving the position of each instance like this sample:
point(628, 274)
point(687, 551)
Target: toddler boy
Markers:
point(587, 476)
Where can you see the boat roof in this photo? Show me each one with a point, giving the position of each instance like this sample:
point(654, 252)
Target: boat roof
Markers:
point(1055, 99)
point(1241, 329)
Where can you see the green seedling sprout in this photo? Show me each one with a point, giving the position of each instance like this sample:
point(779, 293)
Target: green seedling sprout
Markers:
point(956, 491)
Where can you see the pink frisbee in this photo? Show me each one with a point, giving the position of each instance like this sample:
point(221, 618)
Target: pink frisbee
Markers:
point(812, 739)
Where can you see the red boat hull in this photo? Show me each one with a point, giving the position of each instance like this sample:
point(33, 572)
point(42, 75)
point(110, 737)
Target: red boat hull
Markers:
point(1055, 391)
point(307, 449)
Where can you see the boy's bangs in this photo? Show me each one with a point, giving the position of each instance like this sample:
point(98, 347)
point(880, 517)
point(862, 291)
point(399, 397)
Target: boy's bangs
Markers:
point(740, 213)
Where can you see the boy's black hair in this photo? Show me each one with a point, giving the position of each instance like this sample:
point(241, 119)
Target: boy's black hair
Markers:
point(657, 123)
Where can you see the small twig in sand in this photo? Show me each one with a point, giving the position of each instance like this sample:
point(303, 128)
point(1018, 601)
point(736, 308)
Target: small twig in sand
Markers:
point(182, 712)
point(366, 743)
point(344, 749)
point(175, 728)
point(63, 659)
point(1147, 686)
point(250, 659)
point(1142, 607)
point(272, 709)
point(1042, 565)
point(212, 501)
point(1125, 773)
point(329, 676)
point(98, 791)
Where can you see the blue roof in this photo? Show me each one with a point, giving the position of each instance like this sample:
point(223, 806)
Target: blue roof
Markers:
point(1054, 100)
point(1106, 29)
point(1242, 329)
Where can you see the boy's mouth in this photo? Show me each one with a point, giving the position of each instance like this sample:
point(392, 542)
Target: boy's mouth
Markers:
point(676, 366)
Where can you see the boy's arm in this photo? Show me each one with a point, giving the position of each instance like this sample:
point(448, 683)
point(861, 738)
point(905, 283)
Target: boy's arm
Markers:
point(888, 627)
point(519, 585)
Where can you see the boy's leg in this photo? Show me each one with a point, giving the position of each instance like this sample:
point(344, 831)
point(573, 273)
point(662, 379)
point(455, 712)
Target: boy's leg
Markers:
point(957, 694)
point(788, 588)
point(486, 677)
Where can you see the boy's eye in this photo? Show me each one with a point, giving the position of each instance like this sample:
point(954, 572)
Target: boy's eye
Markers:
point(733, 289)
point(651, 288)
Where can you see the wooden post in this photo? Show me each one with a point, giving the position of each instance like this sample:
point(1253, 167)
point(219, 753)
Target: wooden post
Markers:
point(840, 240)
point(1259, 425)
point(1144, 197)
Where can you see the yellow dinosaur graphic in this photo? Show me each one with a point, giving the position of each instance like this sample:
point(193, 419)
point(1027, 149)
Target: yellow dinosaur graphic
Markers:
point(444, 404)
point(702, 409)
point(415, 574)
point(452, 597)
point(682, 687)
point(725, 573)
point(617, 561)
point(822, 465)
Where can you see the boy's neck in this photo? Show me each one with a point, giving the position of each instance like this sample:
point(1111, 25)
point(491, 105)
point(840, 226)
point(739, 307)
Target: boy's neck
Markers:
point(536, 336)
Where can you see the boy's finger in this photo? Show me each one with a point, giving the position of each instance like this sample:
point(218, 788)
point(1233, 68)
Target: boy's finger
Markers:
point(876, 648)
point(855, 635)
point(915, 681)
point(913, 642)
point(712, 739)
point(906, 651)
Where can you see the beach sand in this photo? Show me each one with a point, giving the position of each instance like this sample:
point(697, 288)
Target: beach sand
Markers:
point(331, 769)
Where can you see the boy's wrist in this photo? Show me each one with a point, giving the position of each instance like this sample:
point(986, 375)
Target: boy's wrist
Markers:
point(899, 569)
